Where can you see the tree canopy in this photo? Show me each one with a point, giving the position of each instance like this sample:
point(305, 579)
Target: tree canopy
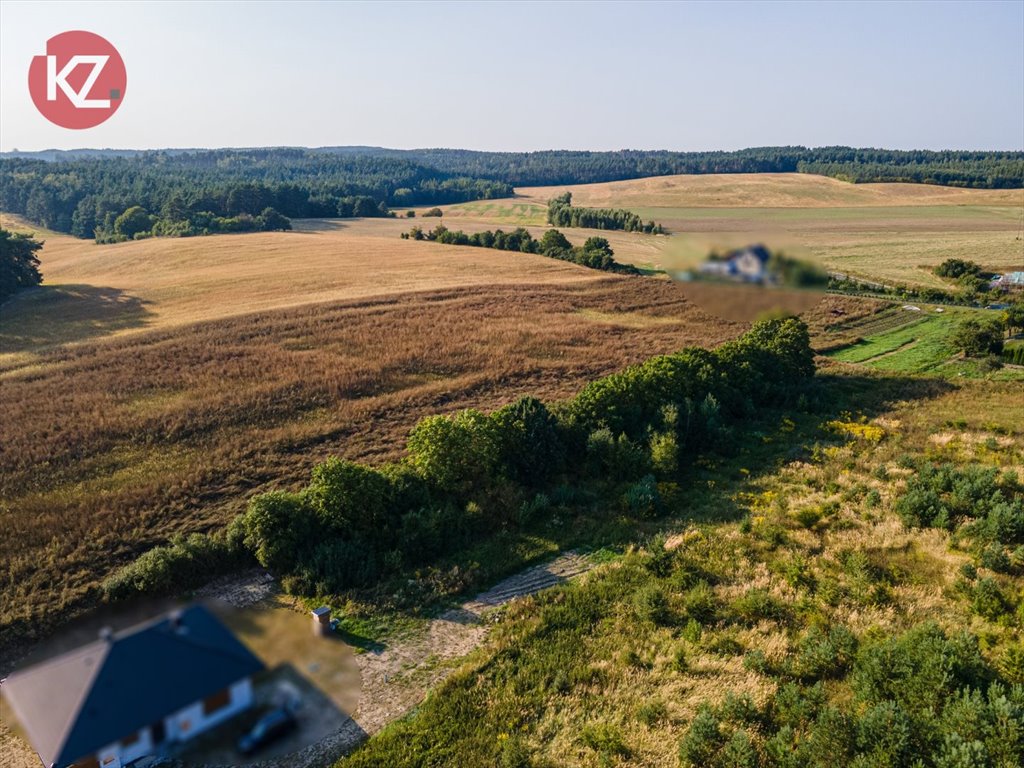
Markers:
point(19, 265)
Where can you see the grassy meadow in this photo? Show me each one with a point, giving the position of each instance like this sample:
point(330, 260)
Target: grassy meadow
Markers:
point(759, 605)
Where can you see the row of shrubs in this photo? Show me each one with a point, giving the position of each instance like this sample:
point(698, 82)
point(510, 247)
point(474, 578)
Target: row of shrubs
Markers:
point(562, 213)
point(469, 475)
point(595, 253)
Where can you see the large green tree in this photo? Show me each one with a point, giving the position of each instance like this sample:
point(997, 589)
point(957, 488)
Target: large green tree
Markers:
point(19, 266)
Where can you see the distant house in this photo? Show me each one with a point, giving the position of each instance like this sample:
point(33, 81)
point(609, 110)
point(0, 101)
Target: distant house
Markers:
point(744, 265)
point(1011, 281)
point(125, 696)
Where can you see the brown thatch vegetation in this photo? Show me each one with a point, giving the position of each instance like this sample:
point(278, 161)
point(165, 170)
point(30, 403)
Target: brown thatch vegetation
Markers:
point(111, 447)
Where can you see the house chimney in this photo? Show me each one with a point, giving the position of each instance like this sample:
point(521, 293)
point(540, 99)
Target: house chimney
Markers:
point(321, 621)
point(174, 618)
point(106, 634)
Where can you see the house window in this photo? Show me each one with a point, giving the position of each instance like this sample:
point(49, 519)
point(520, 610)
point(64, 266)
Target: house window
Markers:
point(88, 762)
point(131, 741)
point(108, 760)
point(216, 702)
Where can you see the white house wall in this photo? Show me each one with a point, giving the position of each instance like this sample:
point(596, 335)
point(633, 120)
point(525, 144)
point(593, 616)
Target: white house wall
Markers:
point(191, 721)
point(116, 756)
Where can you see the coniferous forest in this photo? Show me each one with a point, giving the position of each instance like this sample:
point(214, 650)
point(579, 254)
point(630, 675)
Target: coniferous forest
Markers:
point(188, 192)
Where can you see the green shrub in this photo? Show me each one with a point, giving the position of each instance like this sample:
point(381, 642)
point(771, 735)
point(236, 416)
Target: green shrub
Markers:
point(919, 669)
point(642, 498)
point(650, 713)
point(988, 600)
point(455, 453)
point(652, 605)
point(605, 739)
point(757, 605)
point(184, 563)
point(703, 739)
point(739, 752)
point(824, 654)
point(884, 737)
point(701, 604)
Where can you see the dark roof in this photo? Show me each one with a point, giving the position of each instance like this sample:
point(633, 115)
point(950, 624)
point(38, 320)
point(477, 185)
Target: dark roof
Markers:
point(758, 250)
point(80, 702)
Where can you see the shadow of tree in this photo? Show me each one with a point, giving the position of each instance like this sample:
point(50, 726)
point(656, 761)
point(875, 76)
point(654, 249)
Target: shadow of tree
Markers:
point(706, 495)
point(58, 314)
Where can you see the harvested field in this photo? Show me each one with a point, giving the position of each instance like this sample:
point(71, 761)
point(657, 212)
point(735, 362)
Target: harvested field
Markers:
point(884, 232)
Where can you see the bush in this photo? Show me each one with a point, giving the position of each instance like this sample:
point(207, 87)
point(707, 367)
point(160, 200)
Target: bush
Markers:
point(757, 605)
point(700, 604)
point(702, 741)
point(605, 739)
point(184, 563)
point(988, 601)
point(642, 498)
point(824, 653)
point(650, 713)
point(979, 337)
point(919, 669)
point(455, 453)
point(652, 605)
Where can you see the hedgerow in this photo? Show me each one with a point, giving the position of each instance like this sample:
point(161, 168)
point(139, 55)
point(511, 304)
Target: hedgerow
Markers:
point(469, 475)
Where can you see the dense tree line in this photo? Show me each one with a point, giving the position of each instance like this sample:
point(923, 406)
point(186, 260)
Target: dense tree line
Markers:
point(991, 170)
point(85, 196)
point(469, 475)
point(595, 253)
point(75, 191)
point(562, 213)
point(19, 266)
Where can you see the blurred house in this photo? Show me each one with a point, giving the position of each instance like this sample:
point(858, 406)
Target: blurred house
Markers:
point(129, 694)
point(748, 265)
point(1011, 281)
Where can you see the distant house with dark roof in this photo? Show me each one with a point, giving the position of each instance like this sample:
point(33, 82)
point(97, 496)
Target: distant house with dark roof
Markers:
point(125, 696)
point(744, 265)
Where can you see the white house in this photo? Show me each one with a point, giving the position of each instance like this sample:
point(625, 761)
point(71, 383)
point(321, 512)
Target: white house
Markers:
point(129, 694)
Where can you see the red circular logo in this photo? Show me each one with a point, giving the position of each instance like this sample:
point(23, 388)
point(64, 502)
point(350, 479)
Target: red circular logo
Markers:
point(80, 81)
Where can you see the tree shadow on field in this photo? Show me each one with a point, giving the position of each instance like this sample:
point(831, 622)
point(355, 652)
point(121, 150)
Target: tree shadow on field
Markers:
point(309, 226)
point(59, 314)
point(707, 494)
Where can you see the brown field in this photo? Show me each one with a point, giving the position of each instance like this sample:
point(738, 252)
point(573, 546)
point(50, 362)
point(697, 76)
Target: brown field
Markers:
point(227, 365)
point(884, 232)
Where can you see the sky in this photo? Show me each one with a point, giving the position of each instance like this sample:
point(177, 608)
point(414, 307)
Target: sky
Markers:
point(528, 76)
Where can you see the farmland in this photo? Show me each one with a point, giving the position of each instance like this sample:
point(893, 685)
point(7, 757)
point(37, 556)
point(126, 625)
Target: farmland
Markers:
point(226, 365)
point(884, 232)
point(221, 366)
point(153, 387)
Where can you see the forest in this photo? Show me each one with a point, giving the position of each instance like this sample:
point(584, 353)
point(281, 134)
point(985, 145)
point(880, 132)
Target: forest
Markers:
point(81, 193)
point(188, 192)
point(989, 170)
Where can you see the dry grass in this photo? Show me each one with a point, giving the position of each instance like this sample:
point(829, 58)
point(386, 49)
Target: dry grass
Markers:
point(112, 445)
point(766, 190)
point(887, 232)
point(94, 290)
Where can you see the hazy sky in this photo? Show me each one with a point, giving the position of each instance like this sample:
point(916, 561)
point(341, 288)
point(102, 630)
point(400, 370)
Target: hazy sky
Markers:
point(523, 76)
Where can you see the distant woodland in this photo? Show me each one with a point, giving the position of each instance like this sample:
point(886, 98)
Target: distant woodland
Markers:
point(188, 192)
